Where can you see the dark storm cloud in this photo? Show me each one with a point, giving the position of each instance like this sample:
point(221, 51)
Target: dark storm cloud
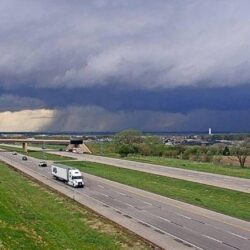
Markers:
point(140, 43)
point(17, 103)
point(113, 98)
point(113, 64)
point(92, 118)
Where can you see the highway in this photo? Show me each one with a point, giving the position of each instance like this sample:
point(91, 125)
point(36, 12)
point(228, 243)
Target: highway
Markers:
point(234, 183)
point(168, 223)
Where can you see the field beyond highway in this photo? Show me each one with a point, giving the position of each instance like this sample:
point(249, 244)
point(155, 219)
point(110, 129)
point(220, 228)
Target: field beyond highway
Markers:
point(224, 168)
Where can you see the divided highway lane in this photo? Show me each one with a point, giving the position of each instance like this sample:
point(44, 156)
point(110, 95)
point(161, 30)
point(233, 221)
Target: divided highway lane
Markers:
point(168, 223)
point(234, 183)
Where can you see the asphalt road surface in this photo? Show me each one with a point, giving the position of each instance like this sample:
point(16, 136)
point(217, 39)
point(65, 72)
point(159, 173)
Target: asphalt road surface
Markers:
point(234, 183)
point(168, 223)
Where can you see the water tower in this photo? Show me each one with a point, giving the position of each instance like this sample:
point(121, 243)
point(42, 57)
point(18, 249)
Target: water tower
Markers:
point(210, 131)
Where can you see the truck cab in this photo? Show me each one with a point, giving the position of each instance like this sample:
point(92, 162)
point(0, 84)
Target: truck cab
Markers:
point(75, 178)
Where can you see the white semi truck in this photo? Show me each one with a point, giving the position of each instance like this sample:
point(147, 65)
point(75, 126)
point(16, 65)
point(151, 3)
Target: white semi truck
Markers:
point(71, 176)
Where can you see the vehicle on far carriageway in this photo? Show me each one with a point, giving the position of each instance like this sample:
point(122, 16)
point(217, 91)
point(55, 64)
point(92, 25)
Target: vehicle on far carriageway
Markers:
point(42, 164)
point(71, 176)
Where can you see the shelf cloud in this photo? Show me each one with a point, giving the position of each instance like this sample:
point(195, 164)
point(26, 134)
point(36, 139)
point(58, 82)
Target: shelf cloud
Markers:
point(139, 43)
point(125, 59)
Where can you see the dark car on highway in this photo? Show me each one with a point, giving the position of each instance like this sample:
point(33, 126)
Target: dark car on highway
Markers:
point(24, 158)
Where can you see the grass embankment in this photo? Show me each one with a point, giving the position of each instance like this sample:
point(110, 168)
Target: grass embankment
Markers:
point(48, 146)
point(193, 165)
point(222, 200)
point(37, 154)
point(108, 149)
point(31, 217)
point(39, 146)
point(103, 148)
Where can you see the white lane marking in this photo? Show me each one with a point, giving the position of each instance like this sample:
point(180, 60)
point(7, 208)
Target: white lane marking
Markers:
point(125, 203)
point(120, 193)
point(211, 238)
point(104, 195)
point(101, 186)
point(238, 235)
point(171, 235)
point(184, 216)
point(163, 219)
point(150, 204)
point(129, 205)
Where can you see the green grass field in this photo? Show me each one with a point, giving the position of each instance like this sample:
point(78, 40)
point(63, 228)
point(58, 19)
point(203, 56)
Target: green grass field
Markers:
point(222, 200)
point(32, 217)
point(193, 165)
point(37, 154)
point(48, 146)
point(108, 149)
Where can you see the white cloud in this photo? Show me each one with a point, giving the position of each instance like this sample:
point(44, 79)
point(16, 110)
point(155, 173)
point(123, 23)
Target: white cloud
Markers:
point(25, 120)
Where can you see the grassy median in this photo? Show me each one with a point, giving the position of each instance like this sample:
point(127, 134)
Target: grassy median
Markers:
point(108, 149)
point(31, 217)
point(229, 170)
point(222, 200)
point(37, 154)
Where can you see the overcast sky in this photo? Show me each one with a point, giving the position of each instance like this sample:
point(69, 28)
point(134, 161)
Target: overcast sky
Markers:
point(107, 65)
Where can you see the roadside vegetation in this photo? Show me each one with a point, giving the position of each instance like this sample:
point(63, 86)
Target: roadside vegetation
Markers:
point(222, 200)
point(103, 148)
point(37, 154)
point(132, 145)
point(32, 217)
point(221, 169)
point(208, 167)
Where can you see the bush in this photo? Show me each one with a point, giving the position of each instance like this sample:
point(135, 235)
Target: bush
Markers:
point(125, 149)
point(226, 151)
point(208, 158)
point(217, 159)
point(171, 153)
point(144, 149)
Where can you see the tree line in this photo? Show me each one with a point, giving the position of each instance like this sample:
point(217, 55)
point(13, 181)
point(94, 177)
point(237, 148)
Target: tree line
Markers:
point(133, 142)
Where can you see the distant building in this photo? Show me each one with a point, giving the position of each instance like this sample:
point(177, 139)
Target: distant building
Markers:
point(210, 131)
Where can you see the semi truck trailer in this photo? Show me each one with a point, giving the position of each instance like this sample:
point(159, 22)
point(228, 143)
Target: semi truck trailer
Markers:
point(70, 176)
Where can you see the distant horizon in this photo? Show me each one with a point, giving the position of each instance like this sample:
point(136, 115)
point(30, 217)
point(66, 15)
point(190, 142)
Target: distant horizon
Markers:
point(114, 132)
